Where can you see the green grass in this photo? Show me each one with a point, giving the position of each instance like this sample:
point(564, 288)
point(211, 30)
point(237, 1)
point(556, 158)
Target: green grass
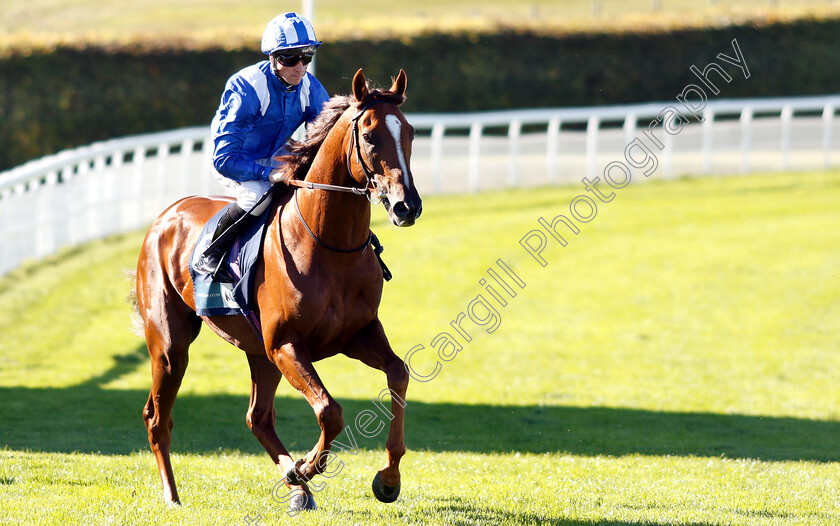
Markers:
point(676, 363)
point(215, 22)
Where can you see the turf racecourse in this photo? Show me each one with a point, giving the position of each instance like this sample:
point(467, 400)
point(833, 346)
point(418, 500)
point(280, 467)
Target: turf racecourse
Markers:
point(675, 363)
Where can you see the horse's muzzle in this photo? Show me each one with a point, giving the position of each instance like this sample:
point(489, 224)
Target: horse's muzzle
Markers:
point(404, 213)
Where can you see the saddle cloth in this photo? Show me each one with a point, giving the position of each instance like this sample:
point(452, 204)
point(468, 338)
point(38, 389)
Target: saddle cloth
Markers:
point(230, 292)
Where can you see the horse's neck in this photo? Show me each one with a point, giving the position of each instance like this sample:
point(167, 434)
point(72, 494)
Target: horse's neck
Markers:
point(340, 216)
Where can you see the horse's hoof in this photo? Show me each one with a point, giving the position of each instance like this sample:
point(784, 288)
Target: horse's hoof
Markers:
point(383, 492)
point(302, 502)
point(293, 476)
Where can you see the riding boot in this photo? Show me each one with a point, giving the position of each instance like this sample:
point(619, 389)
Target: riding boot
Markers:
point(226, 231)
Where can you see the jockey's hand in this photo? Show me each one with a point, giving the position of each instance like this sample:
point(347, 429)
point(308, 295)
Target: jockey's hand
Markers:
point(275, 175)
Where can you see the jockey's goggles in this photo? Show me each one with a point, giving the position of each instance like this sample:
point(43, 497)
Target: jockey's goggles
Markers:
point(292, 60)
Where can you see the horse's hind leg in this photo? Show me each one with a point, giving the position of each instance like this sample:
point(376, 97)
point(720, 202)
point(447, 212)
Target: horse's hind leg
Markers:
point(371, 347)
point(261, 415)
point(168, 336)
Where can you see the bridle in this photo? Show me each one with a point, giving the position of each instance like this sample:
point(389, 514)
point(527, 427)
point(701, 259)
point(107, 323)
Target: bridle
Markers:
point(370, 182)
point(370, 187)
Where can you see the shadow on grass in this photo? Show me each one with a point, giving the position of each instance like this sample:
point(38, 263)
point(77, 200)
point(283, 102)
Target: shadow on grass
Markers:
point(457, 510)
point(89, 419)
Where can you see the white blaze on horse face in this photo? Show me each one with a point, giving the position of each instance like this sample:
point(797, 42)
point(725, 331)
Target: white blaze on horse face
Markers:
point(395, 127)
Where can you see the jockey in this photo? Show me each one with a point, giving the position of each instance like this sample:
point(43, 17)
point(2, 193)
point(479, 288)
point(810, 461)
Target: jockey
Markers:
point(261, 108)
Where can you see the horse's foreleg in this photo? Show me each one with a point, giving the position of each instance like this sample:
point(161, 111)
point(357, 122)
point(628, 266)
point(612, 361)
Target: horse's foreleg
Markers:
point(294, 362)
point(371, 347)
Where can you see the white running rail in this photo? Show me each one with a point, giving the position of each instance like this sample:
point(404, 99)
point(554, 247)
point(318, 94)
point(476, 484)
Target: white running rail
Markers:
point(122, 184)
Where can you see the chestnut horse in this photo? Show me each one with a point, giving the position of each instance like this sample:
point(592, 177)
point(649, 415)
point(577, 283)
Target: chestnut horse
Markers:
point(318, 284)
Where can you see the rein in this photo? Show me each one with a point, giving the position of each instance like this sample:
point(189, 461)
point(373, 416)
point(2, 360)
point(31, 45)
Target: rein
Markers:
point(334, 249)
point(329, 187)
point(371, 240)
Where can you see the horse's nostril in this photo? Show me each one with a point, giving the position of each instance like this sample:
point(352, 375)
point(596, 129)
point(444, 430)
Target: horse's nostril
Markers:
point(401, 209)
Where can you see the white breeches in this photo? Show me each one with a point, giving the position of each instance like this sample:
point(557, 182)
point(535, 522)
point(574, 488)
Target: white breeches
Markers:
point(247, 193)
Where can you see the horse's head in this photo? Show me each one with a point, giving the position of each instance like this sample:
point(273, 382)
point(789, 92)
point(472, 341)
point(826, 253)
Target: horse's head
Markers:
point(381, 143)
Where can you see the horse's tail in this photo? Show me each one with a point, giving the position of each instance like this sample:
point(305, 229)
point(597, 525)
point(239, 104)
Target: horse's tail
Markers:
point(136, 321)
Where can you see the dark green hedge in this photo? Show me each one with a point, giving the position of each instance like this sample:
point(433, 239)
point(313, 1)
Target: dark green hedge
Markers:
point(68, 97)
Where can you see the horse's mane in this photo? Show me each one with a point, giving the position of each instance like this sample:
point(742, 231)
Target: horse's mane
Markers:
point(296, 164)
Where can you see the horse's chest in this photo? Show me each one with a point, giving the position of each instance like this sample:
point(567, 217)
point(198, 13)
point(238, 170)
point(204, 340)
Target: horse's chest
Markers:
point(350, 306)
point(337, 310)
point(327, 300)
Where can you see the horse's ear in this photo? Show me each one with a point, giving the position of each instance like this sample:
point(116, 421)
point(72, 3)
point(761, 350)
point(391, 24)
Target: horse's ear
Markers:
point(399, 83)
point(360, 89)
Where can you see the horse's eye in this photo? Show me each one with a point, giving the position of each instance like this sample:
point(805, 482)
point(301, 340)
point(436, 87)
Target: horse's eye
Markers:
point(367, 137)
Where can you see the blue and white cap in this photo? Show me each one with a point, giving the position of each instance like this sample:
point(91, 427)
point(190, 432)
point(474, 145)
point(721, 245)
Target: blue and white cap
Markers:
point(289, 31)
